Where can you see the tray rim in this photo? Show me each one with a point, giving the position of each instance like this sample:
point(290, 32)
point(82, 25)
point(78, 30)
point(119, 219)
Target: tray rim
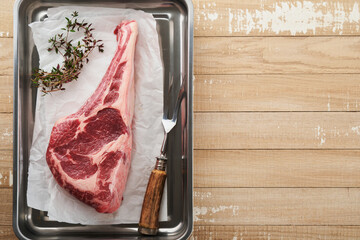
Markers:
point(15, 219)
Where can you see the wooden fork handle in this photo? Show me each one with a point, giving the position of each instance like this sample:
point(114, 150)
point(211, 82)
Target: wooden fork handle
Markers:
point(149, 218)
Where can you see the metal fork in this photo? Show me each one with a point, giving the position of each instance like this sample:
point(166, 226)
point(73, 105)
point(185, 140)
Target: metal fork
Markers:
point(149, 219)
point(169, 124)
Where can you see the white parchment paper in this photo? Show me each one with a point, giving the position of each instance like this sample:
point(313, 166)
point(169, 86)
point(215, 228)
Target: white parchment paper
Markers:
point(43, 191)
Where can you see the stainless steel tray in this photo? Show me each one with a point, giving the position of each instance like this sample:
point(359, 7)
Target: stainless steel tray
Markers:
point(175, 27)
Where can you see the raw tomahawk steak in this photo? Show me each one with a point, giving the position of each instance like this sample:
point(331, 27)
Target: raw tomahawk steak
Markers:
point(89, 151)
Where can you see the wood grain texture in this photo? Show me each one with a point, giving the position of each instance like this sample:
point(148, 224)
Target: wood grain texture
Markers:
point(285, 130)
point(6, 160)
point(6, 56)
point(276, 168)
point(6, 131)
point(6, 93)
point(277, 206)
point(275, 18)
point(275, 232)
point(279, 92)
point(261, 55)
point(6, 207)
point(7, 233)
point(6, 169)
point(6, 18)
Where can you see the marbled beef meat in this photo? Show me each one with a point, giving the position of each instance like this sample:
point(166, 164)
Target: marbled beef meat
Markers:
point(89, 151)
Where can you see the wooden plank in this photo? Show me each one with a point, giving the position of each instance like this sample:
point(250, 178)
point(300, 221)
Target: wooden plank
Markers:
point(261, 55)
point(6, 56)
point(276, 206)
point(255, 18)
point(272, 18)
point(7, 233)
point(6, 131)
point(6, 169)
point(6, 207)
point(276, 168)
point(6, 18)
point(275, 232)
point(6, 93)
point(253, 130)
point(280, 92)
point(282, 130)
point(323, 92)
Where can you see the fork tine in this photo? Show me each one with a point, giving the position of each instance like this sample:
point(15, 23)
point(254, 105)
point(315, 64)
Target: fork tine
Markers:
point(179, 99)
point(166, 104)
point(175, 113)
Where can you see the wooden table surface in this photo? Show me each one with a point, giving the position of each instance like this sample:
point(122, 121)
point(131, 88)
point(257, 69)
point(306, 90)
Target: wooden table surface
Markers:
point(276, 119)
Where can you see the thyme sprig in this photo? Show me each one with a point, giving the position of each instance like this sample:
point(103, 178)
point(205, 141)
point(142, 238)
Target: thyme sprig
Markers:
point(75, 55)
